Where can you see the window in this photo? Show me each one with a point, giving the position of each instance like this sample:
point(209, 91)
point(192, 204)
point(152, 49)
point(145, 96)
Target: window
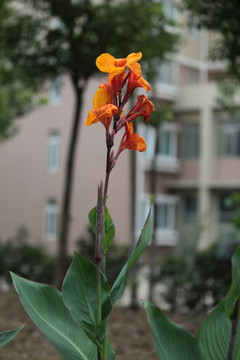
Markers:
point(192, 76)
point(165, 218)
point(189, 207)
point(229, 139)
point(226, 212)
point(167, 73)
point(149, 134)
point(55, 91)
point(193, 30)
point(53, 156)
point(51, 220)
point(189, 141)
point(167, 143)
point(170, 9)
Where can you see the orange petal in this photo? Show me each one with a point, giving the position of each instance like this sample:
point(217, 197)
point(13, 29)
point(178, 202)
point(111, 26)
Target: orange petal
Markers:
point(107, 63)
point(133, 58)
point(104, 61)
point(101, 97)
point(91, 118)
point(136, 68)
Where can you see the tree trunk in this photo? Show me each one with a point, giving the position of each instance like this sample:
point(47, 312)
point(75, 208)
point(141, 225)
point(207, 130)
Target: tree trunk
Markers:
point(65, 216)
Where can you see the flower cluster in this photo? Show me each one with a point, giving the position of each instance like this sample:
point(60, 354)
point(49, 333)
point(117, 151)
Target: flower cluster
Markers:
point(124, 76)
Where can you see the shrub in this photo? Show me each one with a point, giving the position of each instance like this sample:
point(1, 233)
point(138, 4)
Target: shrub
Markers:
point(29, 261)
point(199, 283)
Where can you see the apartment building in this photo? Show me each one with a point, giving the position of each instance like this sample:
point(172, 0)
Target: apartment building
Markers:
point(197, 165)
point(198, 159)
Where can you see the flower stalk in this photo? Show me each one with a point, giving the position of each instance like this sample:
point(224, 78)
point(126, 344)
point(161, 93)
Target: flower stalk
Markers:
point(124, 75)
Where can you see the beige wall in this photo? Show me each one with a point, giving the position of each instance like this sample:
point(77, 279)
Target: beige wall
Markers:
point(26, 184)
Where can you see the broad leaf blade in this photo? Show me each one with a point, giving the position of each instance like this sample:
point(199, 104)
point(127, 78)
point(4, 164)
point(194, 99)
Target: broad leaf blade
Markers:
point(79, 295)
point(109, 228)
point(45, 306)
point(234, 292)
point(120, 283)
point(110, 352)
point(214, 335)
point(171, 340)
point(7, 336)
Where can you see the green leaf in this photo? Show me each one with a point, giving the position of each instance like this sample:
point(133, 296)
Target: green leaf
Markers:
point(171, 340)
point(234, 292)
point(7, 336)
point(45, 306)
point(214, 335)
point(80, 297)
point(120, 283)
point(109, 228)
point(110, 352)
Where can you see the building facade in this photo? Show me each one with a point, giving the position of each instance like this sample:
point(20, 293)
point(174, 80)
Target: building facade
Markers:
point(197, 163)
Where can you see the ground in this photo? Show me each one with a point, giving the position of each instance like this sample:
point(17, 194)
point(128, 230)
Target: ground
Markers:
point(129, 333)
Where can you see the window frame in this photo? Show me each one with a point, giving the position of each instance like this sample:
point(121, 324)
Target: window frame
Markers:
point(51, 215)
point(53, 151)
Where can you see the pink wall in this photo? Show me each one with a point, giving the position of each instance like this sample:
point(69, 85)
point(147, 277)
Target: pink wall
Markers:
point(26, 184)
point(189, 169)
point(227, 169)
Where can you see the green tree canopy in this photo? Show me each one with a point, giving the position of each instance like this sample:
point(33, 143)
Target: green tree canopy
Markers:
point(221, 16)
point(15, 89)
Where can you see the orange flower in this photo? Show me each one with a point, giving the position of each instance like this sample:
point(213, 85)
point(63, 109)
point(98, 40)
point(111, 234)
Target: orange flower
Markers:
point(143, 107)
point(103, 109)
point(130, 140)
point(136, 79)
point(109, 64)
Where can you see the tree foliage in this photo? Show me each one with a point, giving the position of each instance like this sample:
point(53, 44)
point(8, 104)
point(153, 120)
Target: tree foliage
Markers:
point(223, 17)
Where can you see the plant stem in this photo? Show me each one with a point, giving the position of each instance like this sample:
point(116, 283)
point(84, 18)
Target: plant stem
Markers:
point(107, 175)
point(98, 253)
point(105, 346)
point(232, 340)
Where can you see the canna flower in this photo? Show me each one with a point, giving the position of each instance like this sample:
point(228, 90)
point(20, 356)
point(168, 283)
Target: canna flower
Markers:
point(103, 109)
point(136, 79)
point(109, 64)
point(130, 140)
point(143, 107)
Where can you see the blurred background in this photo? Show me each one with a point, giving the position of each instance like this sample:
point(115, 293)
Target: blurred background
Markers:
point(51, 163)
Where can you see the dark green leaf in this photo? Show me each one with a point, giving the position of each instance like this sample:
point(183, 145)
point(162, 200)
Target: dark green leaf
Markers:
point(214, 335)
point(45, 306)
point(7, 336)
point(110, 352)
point(109, 228)
point(79, 295)
point(234, 292)
point(172, 342)
point(120, 283)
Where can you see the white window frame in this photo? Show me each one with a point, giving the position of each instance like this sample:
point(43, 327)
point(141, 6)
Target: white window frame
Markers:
point(163, 162)
point(55, 91)
point(53, 151)
point(232, 130)
point(170, 10)
point(167, 236)
point(51, 219)
point(164, 236)
point(192, 130)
